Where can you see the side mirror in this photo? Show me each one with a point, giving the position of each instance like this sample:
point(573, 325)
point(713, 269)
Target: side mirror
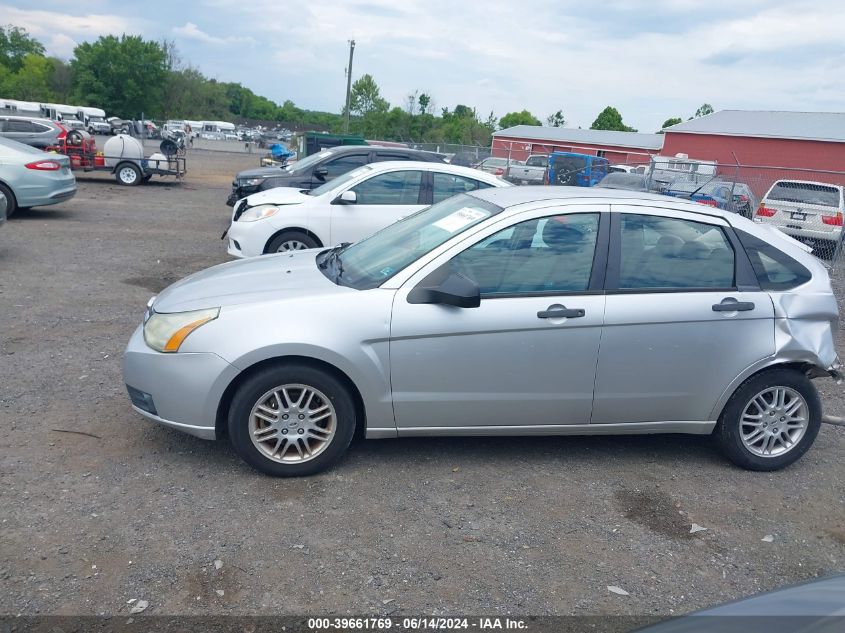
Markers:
point(347, 197)
point(321, 173)
point(455, 290)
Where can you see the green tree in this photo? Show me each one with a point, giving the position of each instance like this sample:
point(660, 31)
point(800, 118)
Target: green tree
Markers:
point(125, 76)
point(32, 81)
point(556, 119)
point(518, 118)
point(610, 119)
point(704, 110)
point(366, 97)
point(423, 101)
point(15, 45)
point(61, 79)
point(670, 122)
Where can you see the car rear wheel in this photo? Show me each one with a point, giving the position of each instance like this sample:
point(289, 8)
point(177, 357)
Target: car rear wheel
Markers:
point(7, 200)
point(771, 420)
point(128, 174)
point(291, 420)
point(291, 241)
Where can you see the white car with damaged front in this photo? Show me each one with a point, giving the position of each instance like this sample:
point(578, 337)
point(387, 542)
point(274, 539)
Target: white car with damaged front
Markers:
point(346, 209)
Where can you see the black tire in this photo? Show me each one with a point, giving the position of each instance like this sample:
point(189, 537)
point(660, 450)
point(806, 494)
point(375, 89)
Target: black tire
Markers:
point(251, 392)
point(292, 238)
point(728, 431)
point(128, 174)
point(11, 202)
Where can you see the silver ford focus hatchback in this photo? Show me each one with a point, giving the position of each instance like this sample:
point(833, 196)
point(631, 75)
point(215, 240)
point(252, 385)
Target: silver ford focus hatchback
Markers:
point(530, 310)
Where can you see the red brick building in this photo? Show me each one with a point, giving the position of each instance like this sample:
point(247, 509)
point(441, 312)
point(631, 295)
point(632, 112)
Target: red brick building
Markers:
point(520, 141)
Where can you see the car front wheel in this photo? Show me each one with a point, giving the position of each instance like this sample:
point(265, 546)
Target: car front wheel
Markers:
point(291, 420)
point(291, 241)
point(771, 420)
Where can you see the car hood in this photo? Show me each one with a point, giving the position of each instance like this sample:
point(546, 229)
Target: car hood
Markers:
point(277, 195)
point(262, 172)
point(264, 278)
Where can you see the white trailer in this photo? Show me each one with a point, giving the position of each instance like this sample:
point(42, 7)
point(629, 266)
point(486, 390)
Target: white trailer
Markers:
point(20, 108)
point(94, 120)
point(64, 114)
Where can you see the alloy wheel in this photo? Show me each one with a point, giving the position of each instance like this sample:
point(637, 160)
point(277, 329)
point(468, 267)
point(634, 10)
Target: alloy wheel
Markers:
point(292, 423)
point(291, 245)
point(774, 421)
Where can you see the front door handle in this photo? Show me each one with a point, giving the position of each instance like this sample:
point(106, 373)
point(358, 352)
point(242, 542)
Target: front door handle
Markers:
point(560, 312)
point(732, 305)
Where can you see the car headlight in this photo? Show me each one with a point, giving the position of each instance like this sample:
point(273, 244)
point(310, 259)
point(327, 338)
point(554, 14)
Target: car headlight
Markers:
point(258, 213)
point(251, 182)
point(165, 332)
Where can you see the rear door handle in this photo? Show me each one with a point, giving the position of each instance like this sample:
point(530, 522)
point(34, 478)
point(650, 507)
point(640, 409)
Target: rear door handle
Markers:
point(732, 305)
point(560, 312)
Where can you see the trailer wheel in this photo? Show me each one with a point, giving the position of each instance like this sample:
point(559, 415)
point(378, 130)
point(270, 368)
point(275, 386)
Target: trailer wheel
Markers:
point(128, 174)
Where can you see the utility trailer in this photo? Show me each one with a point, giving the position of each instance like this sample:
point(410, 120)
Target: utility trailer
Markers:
point(123, 156)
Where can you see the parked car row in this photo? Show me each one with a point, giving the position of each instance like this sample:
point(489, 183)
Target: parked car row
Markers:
point(320, 168)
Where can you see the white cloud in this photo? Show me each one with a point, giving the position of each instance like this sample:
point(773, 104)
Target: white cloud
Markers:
point(192, 32)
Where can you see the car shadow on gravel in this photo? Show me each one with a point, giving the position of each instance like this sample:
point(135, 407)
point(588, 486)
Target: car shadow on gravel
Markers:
point(613, 452)
point(23, 215)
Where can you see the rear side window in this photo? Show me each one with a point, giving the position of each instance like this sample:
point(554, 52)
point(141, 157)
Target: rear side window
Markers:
point(775, 269)
point(805, 192)
point(18, 126)
point(660, 253)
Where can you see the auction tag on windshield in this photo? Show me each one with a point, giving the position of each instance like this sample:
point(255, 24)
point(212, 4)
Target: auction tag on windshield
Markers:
point(460, 218)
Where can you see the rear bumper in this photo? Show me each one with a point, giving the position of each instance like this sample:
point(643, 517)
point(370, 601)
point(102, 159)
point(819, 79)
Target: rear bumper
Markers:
point(46, 195)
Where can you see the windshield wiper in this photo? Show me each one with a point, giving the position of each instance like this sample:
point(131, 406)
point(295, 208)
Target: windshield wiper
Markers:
point(333, 257)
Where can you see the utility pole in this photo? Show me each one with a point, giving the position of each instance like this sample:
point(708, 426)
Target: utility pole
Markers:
point(349, 85)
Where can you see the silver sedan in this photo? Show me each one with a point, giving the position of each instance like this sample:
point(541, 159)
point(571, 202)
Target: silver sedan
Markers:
point(30, 177)
point(531, 310)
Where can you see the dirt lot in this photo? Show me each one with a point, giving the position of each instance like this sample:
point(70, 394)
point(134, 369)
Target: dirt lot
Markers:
point(536, 526)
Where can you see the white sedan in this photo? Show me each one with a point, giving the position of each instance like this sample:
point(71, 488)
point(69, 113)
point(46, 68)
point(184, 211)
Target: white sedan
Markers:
point(347, 208)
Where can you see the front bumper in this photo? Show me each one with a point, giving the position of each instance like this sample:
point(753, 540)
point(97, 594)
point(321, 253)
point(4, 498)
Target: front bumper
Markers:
point(248, 239)
point(240, 191)
point(184, 389)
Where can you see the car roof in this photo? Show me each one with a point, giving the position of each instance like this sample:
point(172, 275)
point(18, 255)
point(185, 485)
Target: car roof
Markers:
point(19, 117)
point(446, 168)
point(345, 149)
point(513, 196)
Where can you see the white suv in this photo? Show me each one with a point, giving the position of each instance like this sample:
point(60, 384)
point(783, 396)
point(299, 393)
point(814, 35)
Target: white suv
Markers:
point(808, 211)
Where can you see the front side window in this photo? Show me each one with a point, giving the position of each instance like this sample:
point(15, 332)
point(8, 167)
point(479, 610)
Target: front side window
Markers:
point(395, 187)
point(448, 185)
point(659, 253)
point(544, 255)
point(344, 164)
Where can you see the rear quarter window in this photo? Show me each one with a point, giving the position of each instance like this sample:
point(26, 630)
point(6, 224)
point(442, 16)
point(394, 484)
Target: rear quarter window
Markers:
point(775, 269)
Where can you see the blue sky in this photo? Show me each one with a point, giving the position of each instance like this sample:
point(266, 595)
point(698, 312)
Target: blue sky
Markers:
point(650, 59)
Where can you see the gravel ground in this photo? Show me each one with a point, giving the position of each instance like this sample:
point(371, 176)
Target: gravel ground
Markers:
point(100, 506)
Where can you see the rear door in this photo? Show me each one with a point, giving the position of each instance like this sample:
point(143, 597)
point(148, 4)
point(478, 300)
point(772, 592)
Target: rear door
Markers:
point(684, 317)
point(382, 200)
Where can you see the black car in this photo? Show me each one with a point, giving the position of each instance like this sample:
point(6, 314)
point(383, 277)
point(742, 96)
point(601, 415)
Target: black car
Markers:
point(317, 169)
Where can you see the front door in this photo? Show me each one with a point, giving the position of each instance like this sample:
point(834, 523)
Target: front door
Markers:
point(526, 356)
point(681, 323)
point(381, 200)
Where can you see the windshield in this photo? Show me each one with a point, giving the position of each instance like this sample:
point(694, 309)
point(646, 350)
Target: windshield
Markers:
point(340, 180)
point(805, 192)
point(306, 162)
point(372, 261)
